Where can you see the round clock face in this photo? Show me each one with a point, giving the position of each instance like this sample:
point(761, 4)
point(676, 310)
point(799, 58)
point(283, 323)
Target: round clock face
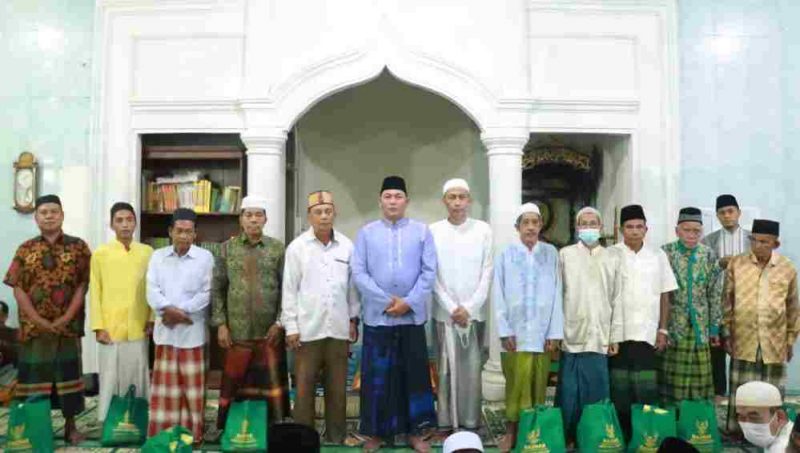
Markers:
point(23, 187)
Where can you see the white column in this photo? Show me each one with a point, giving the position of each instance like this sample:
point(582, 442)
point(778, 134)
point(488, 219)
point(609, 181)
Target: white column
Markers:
point(504, 151)
point(266, 176)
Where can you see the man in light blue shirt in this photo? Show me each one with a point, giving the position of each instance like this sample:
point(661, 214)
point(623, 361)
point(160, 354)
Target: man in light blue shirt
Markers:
point(179, 291)
point(528, 313)
point(394, 269)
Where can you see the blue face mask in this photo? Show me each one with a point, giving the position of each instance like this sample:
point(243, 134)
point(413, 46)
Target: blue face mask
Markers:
point(589, 236)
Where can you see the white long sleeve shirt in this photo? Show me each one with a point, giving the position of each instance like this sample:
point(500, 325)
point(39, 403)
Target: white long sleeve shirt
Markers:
point(319, 296)
point(464, 274)
point(183, 282)
point(591, 286)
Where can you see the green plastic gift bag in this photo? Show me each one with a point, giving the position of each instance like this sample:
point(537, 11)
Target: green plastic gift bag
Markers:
point(697, 424)
point(650, 425)
point(598, 429)
point(126, 420)
point(246, 427)
point(30, 426)
point(173, 440)
point(541, 430)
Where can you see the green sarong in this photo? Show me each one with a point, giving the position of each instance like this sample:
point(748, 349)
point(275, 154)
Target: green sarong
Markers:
point(526, 376)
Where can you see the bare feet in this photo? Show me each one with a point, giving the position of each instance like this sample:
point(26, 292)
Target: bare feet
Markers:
point(71, 434)
point(508, 440)
point(372, 444)
point(419, 444)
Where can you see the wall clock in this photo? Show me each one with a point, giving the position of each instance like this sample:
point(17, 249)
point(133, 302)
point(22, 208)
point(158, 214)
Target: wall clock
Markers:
point(25, 183)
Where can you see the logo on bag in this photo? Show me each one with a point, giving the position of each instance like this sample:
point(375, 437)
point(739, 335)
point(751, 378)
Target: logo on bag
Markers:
point(650, 444)
point(125, 430)
point(244, 439)
point(17, 439)
point(611, 442)
point(702, 436)
point(535, 444)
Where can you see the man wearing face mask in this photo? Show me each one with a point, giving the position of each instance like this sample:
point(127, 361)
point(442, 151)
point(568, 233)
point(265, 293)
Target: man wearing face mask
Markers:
point(759, 410)
point(695, 314)
point(464, 274)
point(592, 322)
point(762, 281)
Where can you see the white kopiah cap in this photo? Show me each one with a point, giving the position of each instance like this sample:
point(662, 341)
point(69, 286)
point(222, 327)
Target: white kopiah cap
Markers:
point(254, 202)
point(758, 394)
point(456, 183)
point(526, 208)
point(462, 440)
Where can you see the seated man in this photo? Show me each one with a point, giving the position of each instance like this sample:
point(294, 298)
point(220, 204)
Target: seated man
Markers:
point(759, 411)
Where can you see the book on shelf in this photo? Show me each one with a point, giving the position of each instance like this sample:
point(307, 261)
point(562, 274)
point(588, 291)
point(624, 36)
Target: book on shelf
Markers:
point(202, 195)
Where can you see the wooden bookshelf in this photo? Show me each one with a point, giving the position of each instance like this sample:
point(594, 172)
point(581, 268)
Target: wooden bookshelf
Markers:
point(221, 159)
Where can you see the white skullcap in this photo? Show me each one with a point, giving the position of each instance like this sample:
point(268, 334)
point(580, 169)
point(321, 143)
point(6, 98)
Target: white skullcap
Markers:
point(254, 202)
point(526, 208)
point(758, 394)
point(462, 440)
point(456, 183)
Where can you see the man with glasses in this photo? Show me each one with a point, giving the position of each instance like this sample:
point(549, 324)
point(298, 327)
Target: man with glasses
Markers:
point(695, 314)
point(647, 280)
point(760, 322)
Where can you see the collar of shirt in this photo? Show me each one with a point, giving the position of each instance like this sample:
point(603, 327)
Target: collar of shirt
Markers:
point(400, 223)
point(191, 253)
point(524, 248)
point(630, 251)
point(309, 236)
point(773, 259)
point(460, 227)
point(735, 231)
point(246, 241)
point(591, 251)
point(59, 238)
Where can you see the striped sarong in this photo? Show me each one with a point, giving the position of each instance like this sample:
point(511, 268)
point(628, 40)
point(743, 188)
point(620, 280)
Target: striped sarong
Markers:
point(396, 395)
point(526, 376)
point(255, 370)
point(633, 379)
point(684, 372)
point(51, 365)
point(743, 371)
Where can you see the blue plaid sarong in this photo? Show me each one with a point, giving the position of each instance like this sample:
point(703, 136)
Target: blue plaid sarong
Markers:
point(396, 396)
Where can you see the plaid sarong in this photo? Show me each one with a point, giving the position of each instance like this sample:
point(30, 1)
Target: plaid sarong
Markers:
point(396, 395)
point(51, 365)
point(684, 372)
point(582, 380)
point(177, 391)
point(633, 379)
point(255, 370)
point(743, 371)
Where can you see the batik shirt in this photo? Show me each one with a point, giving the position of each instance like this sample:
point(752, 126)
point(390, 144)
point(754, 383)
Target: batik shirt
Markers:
point(696, 307)
point(246, 289)
point(49, 274)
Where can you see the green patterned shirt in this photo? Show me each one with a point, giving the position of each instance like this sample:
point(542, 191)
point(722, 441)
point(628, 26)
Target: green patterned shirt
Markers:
point(696, 307)
point(246, 289)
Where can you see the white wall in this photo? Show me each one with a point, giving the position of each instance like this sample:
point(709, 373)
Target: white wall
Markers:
point(350, 141)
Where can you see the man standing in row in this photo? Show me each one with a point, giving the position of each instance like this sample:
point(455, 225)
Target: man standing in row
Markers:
point(394, 268)
point(464, 258)
point(120, 316)
point(729, 241)
point(647, 280)
point(246, 294)
point(528, 313)
point(592, 322)
point(50, 275)
point(320, 314)
point(695, 314)
point(761, 322)
point(178, 291)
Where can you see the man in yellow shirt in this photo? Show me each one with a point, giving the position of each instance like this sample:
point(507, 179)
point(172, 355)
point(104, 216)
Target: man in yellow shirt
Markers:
point(120, 315)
